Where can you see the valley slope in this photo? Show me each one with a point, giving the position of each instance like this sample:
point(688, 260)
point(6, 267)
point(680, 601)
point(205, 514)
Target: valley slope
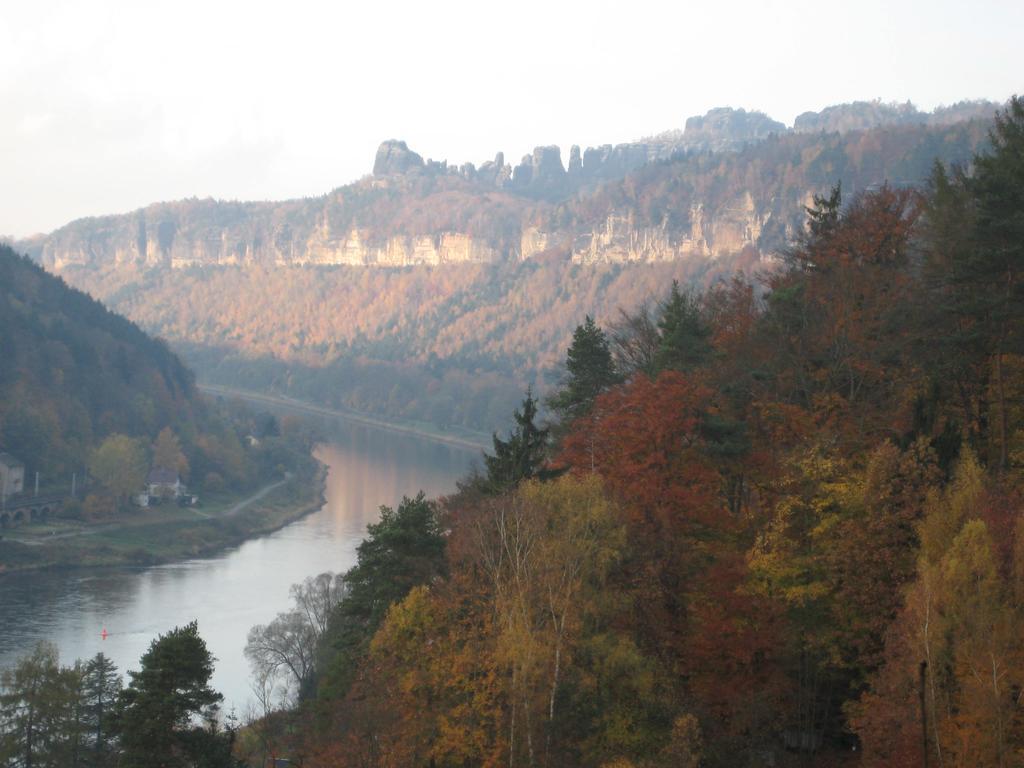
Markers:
point(95, 413)
point(434, 292)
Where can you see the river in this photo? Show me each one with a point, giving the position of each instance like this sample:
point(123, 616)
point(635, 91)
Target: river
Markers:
point(228, 594)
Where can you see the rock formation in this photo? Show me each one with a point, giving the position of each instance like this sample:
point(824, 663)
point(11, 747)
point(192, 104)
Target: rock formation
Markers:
point(415, 211)
point(541, 173)
point(618, 239)
point(495, 173)
point(865, 115)
point(727, 129)
point(395, 157)
point(609, 162)
point(575, 170)
point(719, 130)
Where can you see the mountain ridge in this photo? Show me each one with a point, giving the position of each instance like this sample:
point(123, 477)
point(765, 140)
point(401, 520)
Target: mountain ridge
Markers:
point(420, 212)
point(538, 179)
point(429, 295)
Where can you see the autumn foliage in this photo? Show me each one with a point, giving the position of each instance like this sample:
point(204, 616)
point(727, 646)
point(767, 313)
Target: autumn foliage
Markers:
point(783, 531)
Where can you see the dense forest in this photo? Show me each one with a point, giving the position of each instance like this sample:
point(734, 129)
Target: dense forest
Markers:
point(85, 392)
point(770, 525)
point(777, 173)
point(766, 530)
point(449, 346)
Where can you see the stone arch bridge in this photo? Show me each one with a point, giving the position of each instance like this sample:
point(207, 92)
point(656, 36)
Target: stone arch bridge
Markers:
point(25, 509)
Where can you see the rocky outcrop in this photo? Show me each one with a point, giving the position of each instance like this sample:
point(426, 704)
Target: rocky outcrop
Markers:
point(609, 162)
point(575, 170)
point(858, 116)
point(719, 130)
point(619, 240)
point(495, 172)
point(165, 237)
point(533, 242)
point(210, 233)
point(541, 173)
point(865, 115)
point(357, 249)
point(173, 235)
point(424, 212)
point(725, 129)
point(395, 157)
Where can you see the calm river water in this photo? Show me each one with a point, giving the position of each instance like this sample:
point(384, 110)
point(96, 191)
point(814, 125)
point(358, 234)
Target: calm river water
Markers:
point(245, 586)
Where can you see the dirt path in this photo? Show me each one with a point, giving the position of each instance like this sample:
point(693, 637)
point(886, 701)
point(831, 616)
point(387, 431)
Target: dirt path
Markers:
point(254, 498)
point(38, 541)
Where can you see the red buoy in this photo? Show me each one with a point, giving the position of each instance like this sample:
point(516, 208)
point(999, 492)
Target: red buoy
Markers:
point(103, 634)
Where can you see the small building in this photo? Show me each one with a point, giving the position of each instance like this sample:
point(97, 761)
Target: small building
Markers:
point(12, 475)
point(163, 483)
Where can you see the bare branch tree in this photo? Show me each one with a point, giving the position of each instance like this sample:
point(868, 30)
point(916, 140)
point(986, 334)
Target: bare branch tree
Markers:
point(634, 341)
point(285, 650)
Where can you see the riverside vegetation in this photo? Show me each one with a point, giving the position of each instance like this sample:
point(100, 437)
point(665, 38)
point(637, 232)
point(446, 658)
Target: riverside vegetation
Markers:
point(92, 404)
point(765, 527)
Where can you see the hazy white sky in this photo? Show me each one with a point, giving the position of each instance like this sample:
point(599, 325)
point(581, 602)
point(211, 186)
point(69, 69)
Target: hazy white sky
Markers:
point(108, 105)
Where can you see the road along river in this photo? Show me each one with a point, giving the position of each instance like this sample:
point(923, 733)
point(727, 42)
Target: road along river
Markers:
point(228, 594)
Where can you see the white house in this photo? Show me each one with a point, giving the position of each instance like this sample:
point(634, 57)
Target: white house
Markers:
point(12, 475)
point(164, 483)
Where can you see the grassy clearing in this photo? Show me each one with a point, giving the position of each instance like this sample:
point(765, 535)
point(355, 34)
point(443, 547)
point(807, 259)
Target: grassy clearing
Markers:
point(161, 533)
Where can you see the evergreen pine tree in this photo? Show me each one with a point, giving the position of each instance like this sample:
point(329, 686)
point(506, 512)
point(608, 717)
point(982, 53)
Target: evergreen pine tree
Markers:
point(997, 263)
point(975, 264)
point(590, 371)
point(823, 216)
point(521, 456)
point(101, 686)
point(38, 723)
point(157, 708)
point(684, 340)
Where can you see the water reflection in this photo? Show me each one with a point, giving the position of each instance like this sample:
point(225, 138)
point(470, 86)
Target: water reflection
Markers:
point(242, 587)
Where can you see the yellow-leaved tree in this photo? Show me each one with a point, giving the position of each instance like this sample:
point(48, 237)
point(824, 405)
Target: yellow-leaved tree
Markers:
point(167, 453)
point(949, 689)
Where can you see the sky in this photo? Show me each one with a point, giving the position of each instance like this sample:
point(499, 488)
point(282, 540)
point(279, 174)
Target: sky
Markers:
point(109, 105)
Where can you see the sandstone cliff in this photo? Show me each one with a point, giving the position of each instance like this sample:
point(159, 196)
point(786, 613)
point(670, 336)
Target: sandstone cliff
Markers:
point(619, 240)
point(731, 181)
point(212, 233)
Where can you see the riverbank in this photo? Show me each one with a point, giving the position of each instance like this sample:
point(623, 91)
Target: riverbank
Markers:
point(462, 438)
point(163, 533)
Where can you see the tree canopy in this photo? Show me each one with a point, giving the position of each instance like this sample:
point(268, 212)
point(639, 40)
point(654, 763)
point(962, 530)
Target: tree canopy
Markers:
point(164, 699)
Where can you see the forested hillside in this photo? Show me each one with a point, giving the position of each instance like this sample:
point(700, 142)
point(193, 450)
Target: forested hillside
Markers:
point(84, 391)
point(452, 346)
point(427, 294)
point(766, 528)
point(772, 530)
